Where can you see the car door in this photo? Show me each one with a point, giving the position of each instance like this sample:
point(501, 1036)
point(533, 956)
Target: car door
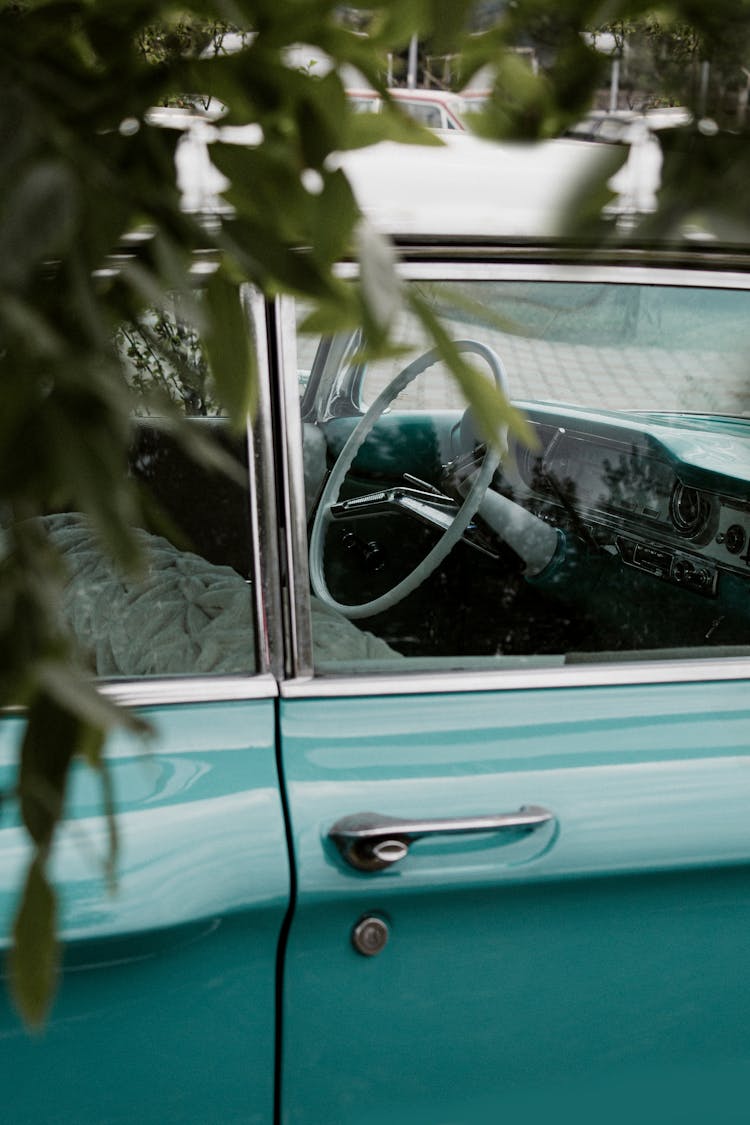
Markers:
point(166, 1010)
point(522, 889)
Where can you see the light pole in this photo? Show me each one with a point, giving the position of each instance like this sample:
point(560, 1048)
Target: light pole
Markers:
point(411, 74)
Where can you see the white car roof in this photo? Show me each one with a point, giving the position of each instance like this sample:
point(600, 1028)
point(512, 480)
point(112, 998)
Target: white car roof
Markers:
point(472, 188)
point(463, 188)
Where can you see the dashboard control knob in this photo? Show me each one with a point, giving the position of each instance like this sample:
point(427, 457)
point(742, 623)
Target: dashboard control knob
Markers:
point(682, 570)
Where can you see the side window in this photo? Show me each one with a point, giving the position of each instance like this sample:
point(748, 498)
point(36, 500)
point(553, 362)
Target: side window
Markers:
point(427, 115)
point(613, 524)
point(189, 609)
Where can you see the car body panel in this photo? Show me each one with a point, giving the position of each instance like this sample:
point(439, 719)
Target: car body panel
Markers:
point(435, 109)
point(411, 190)
point(601, 956)
point(166, 1010)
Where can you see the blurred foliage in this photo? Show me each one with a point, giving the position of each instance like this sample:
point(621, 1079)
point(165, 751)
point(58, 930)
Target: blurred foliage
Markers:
point(662, 50)
point(81, 172)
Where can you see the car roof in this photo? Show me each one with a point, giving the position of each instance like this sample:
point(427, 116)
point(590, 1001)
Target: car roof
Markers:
point(466, 189)
point(472, 188)
point(463, 187)
point(444, 97)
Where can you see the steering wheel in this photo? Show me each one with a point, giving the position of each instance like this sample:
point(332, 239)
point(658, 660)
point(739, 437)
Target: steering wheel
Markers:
point(453, 531)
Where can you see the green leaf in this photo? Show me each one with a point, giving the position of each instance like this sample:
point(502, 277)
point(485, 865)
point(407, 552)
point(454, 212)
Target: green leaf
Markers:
point(320, 115)
point(34, 956)
point(230, 354)
point(449, 19)
point(392, 124)
point(336, 316)
point(204, 449)
point(276, 266)
point(38, 220)
point(402, 20)
point(49, 744)
point(493, 412)
point(335, 213)
point(108, 802)
point(22, 319)
point(379, 280)
point(70, 690)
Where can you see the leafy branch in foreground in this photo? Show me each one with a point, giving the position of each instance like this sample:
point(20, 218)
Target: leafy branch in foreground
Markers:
point(80, 171)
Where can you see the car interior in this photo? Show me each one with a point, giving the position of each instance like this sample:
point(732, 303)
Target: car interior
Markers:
point(613, 524)
point(615, 527)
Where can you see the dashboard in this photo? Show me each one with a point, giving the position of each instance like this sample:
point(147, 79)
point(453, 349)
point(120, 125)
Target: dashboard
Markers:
point(668, 495)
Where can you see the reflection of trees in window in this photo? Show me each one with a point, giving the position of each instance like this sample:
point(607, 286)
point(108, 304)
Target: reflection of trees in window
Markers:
point(164, 359)
point(633, 483)
point(598, 314)
point(544, 481)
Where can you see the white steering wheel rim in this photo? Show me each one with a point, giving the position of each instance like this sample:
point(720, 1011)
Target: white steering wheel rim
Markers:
point(356, 439)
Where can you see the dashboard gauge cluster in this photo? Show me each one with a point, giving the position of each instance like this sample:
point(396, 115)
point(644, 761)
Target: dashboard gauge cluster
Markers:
point(692, 512)
point(626, 489)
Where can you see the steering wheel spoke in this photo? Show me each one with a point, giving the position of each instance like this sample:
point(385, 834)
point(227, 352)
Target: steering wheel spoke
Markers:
point(432, 508)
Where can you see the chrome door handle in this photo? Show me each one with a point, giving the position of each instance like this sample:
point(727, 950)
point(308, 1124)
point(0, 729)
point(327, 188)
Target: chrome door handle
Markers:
point(370, 841)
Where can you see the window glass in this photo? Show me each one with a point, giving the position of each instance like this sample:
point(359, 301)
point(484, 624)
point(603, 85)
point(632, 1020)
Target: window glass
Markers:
point(427, 115)
point(361, 103)
point(618, 528)
point(189, 610)
point(165, 363)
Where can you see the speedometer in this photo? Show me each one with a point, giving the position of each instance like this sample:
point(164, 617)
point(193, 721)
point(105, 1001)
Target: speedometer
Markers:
point(689, 510)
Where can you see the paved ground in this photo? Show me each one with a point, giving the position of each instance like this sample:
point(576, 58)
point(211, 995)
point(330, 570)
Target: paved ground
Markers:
point(616, 378)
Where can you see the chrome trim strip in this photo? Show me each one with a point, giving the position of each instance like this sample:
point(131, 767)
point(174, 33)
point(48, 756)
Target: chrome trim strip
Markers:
point(298, 579)
point(190, 689)
point(179, 690)
point(269, 630)
point(489, 250)
point(529, 679)
point(468, 270)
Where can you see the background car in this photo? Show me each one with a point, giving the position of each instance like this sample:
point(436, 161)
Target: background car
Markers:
point(444, 813)
point(616, 125)
point(435, 109)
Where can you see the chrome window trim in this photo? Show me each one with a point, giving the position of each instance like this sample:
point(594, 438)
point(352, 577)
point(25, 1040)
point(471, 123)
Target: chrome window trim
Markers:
point(189, 689)
point(177, 690)
point(531, 679)
point(468, 270)
point(293, 484)
point(268, 604)
point(490, 250)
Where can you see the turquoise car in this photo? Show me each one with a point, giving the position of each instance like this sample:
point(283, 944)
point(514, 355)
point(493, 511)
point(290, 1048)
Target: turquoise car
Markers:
point(445, 816)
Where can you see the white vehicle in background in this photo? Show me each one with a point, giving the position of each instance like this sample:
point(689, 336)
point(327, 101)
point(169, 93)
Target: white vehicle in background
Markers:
point(615, 126)
point(435, 109)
